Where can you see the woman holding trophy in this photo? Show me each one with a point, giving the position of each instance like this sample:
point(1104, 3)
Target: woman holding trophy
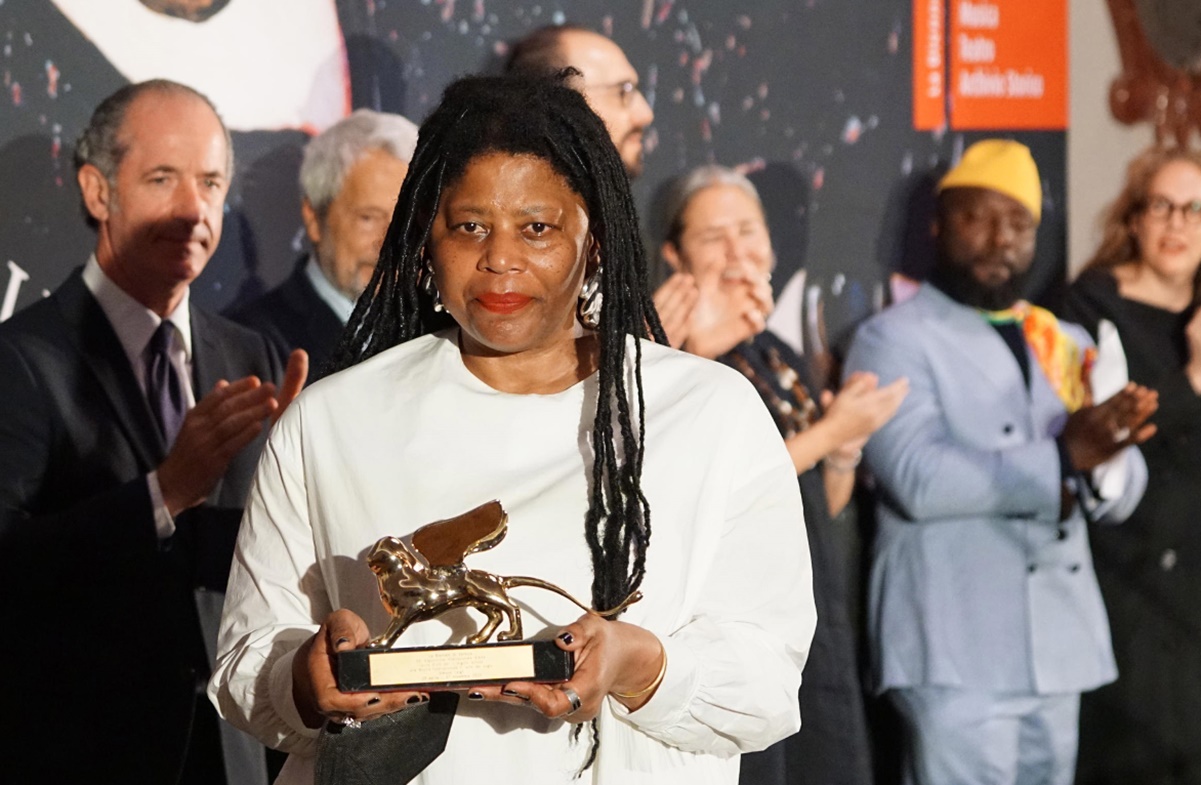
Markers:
point(507, 349)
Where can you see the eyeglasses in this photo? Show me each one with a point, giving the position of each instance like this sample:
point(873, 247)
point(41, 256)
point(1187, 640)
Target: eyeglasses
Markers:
point(625, 90)
point(1161, 209)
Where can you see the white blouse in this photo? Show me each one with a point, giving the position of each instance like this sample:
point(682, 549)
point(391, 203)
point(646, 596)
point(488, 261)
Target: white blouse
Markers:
point(411, 436)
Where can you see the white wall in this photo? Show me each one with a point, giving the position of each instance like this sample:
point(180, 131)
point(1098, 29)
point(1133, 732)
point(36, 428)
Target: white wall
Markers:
point(1098, 145)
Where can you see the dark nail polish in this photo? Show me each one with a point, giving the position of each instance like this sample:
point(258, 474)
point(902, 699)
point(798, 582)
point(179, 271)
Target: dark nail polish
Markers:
point(475, 696)
point(425, 698)
point(341, 642)
point(567, 638)
point(373, 701)
point(413, 700)
point(512, 694)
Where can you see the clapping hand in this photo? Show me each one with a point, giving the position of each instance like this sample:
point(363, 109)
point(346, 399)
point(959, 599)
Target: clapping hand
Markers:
point(858, 410)
point(295, 376)
point(1095, 433)
point(674, 301)
point(732, 308)
point(218, 427)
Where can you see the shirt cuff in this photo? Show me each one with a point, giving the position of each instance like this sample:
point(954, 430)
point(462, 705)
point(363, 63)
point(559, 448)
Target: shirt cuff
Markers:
point(1111, 478)
point(164, 524)
point(282, 699)
point(675, 694)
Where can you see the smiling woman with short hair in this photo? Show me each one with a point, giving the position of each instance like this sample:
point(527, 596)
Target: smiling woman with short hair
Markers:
point(717, 233)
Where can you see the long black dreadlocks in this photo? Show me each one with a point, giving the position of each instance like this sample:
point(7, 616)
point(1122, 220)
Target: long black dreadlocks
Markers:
point(535, 115)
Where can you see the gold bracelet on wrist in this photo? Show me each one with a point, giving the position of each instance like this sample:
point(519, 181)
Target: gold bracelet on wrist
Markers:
point(653, 685)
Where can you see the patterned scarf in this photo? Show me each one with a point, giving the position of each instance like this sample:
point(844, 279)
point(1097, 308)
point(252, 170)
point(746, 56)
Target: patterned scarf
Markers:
point(1059, 356)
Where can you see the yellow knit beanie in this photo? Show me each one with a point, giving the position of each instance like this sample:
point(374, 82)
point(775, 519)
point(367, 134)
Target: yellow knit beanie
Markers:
point(1000, 165)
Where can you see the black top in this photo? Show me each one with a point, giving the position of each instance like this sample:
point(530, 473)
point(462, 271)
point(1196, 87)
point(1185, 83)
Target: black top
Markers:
point(832, 747)
point(1143, 727)
point(1156, 352)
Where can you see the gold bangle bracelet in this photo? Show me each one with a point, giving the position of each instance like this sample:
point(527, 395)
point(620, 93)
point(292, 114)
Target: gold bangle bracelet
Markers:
point(650, 687)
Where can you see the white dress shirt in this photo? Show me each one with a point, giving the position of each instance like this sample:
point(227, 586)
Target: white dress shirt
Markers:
point(411, 436)
point(341, 305)
point(134, 325)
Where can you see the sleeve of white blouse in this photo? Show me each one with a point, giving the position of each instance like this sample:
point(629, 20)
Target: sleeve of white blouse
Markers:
point(274, 599)
point(734, 667)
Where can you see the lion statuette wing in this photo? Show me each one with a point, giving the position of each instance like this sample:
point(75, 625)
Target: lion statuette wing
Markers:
point(446, 543)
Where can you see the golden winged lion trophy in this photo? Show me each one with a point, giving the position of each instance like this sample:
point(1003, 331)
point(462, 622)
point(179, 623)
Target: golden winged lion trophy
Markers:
point(427, 576)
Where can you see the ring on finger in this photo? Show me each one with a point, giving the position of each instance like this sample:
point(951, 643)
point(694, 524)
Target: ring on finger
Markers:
point(574, 698)
point(349, 721)
point(1121, 434)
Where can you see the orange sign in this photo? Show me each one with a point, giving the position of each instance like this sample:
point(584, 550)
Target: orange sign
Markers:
point(1007, 65)
point(929, 68)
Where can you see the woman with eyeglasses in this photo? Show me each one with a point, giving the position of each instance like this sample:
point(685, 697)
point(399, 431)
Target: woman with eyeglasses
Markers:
point(1144, 284)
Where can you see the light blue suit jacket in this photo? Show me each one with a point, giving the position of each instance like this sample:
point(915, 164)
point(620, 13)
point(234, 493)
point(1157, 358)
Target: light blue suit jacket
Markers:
point(975, 583)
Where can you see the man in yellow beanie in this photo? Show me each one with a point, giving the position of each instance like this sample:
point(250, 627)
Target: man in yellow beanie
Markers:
point(985, 618)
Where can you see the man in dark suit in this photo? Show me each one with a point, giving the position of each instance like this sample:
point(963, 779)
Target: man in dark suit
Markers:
point(350, 178)
point(130, 425)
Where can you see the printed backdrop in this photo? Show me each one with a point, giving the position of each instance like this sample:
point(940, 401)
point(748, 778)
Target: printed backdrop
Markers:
point(814, 98)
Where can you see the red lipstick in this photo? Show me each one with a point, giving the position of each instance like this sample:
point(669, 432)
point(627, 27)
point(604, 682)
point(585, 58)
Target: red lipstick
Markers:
point(503, 302)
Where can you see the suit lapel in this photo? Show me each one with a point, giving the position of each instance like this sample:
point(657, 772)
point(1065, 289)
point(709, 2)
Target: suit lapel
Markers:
point(100, 349)
point(209, 364)
point(970, 339)
point(321, 325)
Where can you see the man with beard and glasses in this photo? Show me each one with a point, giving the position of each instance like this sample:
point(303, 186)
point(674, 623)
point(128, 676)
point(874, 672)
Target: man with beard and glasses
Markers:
point(985, 618)
point(610, 84)
point(606, 79)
